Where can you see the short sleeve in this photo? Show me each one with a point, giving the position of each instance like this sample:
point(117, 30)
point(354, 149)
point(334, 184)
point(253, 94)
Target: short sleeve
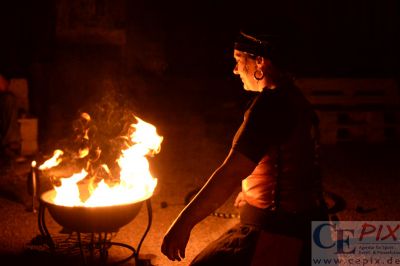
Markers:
point(269, 121)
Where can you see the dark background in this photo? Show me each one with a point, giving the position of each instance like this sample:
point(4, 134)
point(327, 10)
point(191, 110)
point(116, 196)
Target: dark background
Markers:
point(165, 55)
point(333, 37)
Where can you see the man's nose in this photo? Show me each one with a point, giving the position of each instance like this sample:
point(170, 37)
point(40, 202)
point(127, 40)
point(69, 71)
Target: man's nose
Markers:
point(235, 70)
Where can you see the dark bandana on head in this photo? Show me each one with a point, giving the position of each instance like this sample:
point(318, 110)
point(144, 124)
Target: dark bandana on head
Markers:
point(255, 45)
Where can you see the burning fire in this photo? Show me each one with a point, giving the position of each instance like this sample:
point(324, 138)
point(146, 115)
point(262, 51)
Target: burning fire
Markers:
point(53, 161)
point(135, 180)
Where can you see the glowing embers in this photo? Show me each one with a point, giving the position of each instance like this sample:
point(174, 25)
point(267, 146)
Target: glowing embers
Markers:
point(92, 179)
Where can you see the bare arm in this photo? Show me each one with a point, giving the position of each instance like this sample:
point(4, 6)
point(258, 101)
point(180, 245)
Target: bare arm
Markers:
point(214, 193)
point(218, 188)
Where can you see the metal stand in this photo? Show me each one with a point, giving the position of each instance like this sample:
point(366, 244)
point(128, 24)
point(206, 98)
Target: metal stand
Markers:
point(98, 241)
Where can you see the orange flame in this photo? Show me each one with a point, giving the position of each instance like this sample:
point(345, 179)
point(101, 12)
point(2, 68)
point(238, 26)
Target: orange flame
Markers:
point(83, 152)
point(53, 161)
point(136, 182)
point(68, 193)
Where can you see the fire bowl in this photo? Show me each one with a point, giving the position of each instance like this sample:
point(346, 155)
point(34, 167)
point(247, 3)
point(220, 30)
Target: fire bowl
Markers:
point(91, 219)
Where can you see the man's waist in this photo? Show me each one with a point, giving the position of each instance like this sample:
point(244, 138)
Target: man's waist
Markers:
point(292, 223)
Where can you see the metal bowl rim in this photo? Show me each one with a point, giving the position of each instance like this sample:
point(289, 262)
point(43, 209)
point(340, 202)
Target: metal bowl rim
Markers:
point(48, 203)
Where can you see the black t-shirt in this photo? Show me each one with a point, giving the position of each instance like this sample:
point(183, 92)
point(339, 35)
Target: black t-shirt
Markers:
point(268, 121)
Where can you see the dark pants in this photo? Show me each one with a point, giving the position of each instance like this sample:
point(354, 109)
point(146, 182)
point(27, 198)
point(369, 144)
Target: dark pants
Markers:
point(263, 238)
point(233, 248)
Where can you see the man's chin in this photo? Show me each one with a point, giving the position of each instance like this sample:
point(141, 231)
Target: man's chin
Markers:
point(247, 88)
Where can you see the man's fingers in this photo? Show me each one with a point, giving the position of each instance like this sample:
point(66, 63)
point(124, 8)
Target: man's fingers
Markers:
point(182, 253)
point(166, 250)
point(173, 253)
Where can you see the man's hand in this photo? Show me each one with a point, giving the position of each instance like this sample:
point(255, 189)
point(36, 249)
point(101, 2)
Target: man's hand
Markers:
point(175, 241)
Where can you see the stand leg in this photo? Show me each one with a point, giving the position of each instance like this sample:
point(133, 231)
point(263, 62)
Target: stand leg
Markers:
point(81, 249)
point(103, 248)
point(42, 227)
point(150, 220)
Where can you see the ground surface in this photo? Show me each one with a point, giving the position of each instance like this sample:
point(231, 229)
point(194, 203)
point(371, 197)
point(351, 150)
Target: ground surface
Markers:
point(365, 176)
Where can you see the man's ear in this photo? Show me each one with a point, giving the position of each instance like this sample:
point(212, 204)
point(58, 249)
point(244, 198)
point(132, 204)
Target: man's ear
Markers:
point(260, 61)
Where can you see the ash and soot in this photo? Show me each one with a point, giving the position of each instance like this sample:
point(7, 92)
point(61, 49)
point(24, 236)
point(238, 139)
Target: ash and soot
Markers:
point(106, 163)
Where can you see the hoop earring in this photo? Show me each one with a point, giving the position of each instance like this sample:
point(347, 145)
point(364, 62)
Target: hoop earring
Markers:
point(258, 74)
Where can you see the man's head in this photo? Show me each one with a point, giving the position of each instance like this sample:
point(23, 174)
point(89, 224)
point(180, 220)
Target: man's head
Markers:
point(250, 69)
point(4, 82)
point(254, 57)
